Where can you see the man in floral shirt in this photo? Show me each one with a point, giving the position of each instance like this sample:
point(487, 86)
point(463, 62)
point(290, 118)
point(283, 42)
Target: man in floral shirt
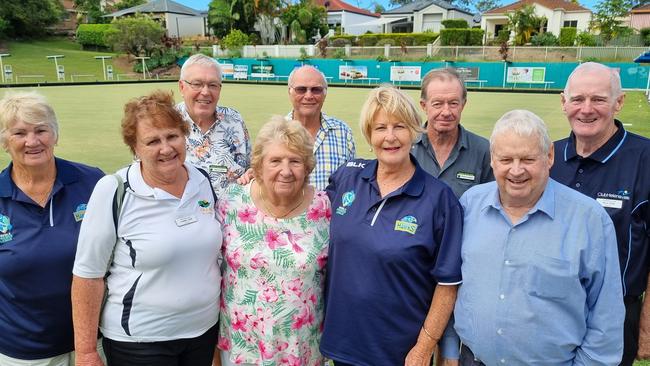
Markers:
point(218, 141)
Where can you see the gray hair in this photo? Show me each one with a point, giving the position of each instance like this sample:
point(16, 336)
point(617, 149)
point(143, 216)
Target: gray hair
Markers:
point(305, 67)
point(525, 124)
point(614, 77)
point(28, 107)
point(202, 60)
point(445, 74)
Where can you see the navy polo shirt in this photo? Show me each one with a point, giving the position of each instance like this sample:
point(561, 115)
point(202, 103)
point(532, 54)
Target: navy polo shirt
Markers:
point(37, 250)
point(386, 257)
point(617, 175)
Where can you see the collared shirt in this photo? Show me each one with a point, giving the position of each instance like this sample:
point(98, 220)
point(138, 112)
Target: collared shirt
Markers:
point(333, 146)
point(386, 257)
point(468, 163)
point(164, 277)
point(617, 175)
point(543, 291)
point(224, 150)
point(37, 248)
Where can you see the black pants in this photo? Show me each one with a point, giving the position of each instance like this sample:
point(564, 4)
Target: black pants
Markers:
point(467, 357)
point(196, 351)
point(631, 329)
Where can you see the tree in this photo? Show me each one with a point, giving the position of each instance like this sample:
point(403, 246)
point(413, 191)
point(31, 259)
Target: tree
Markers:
point(137, 36)
point(378, 8)
point(226, 15)
point(484, 5)
point(305, 20)
point(29, 18)
point(125, 4)
point(93, 10)
point(525, 23)
point(607, 17)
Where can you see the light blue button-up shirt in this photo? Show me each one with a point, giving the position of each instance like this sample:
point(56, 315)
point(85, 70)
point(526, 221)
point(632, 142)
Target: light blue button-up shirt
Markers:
point(545, 291)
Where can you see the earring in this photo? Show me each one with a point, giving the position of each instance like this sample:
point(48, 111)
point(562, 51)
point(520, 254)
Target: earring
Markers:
point(371, 150)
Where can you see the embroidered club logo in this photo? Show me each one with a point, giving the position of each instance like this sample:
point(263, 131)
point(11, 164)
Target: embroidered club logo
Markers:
point(5, 229)
point(205, 206)
point(79, 212)
point(407, 224)
point(346, 201)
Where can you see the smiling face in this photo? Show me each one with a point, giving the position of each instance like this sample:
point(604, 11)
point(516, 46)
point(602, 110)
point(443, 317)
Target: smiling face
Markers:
point(30, 145)
point(201, 103)
point(443, 106)
point(283, 171)
point(391, 140)
point(308, 104)
point(590, 106)
point(521, 169)
point(161, 149)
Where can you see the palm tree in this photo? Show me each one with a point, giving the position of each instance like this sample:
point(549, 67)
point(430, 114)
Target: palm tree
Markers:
point(525, 23)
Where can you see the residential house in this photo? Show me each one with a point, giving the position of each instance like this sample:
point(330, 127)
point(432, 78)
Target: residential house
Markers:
point(179, 20)
point(559, 14)
point(422, 15)
point(70, 21)
point(640, 17)
point(351, 19)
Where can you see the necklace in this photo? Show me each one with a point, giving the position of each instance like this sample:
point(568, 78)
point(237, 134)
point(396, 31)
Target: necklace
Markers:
point(266, 207)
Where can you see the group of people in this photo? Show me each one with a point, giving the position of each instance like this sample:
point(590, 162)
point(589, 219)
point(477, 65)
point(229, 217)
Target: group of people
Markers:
point(207, 250)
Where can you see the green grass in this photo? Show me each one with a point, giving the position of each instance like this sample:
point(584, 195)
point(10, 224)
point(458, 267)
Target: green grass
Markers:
point(90, 115)
point(30, 58)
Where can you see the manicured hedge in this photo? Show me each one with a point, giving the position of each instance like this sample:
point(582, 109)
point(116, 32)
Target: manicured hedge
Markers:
point(568, 36)
point(93, 34)
point(455, 23)
point(395, 39)
point(461, 37)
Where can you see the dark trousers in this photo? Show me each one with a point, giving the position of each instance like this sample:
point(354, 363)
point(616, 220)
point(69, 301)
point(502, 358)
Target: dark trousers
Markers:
point(336, 363)
point(467, 357)
point(631, 329)
point(196, 351)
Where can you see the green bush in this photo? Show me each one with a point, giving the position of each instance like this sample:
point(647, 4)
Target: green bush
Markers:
point(586, 39)
point(503, 36)
point(544, 39)
point(368, 40)
point(475, 37)
point(234, 40)
point(568, 36)
point(455, 23)
point(386, 41)
point(423, 39)
point(406, 41)
point(93, 34)
point(163, 59)
point(453, 37)
point(339, 53)
point(645, 36)
point(340, 42)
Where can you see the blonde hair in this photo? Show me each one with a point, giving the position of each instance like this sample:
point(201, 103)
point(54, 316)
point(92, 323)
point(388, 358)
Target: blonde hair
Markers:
point(28, 107)
point(396, 104)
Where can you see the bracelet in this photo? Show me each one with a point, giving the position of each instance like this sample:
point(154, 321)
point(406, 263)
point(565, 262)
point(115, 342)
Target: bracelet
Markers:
point(427, 333)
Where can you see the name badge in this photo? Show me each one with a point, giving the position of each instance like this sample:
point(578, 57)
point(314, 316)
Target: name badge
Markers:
point(610, 203)
point(218, 168)
point(466, 176)
point(186, 220)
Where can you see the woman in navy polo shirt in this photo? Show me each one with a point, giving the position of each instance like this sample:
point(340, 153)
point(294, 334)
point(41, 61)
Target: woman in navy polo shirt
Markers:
point(42, 202)
point(394, 256)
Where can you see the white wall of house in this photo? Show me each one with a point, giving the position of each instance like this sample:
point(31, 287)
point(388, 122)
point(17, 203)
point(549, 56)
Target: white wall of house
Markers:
point(349, 21)
point(555, 18)
point(640, 20)
point(583, 19)
point(180, 25)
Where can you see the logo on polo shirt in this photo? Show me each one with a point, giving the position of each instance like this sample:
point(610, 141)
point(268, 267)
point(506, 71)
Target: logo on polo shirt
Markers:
point(5, 229)
point(407, 224)
point(205, 206)
point(346, 201)
point(613, 200)
point(79, 212)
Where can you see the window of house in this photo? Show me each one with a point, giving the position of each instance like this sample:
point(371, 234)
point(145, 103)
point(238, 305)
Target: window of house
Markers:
point(571, 23)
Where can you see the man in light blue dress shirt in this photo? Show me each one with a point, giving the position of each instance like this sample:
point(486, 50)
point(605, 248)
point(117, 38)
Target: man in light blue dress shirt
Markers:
point(541, 283)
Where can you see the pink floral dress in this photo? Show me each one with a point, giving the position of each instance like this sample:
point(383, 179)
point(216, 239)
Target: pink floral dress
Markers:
point(272, 286)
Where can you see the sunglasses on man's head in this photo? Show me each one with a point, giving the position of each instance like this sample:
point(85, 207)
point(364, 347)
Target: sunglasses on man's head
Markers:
point(315, 90)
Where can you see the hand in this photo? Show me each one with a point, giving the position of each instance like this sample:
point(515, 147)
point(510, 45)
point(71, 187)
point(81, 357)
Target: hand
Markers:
point(216, 359)
point(88, 359)
point(419, 355)
point(245, 178)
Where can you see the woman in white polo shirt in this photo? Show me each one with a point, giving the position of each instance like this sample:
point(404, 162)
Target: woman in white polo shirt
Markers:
point(163, 278)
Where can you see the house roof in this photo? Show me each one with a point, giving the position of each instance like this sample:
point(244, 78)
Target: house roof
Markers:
point(157, 6)
point(421, 4)
point(551, 4)
point(339, 5)
point(641, 9)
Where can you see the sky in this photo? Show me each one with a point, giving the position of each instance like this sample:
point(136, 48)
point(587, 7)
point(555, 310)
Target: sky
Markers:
point(203, 4)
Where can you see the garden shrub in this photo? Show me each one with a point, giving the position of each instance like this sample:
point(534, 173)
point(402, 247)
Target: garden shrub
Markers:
point(93, 35)
point(455, 23)
point(568, 36)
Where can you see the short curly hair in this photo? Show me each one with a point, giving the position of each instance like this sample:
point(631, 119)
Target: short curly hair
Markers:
point(29, 107)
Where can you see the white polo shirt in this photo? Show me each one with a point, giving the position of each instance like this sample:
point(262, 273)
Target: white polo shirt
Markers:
point(164, 280)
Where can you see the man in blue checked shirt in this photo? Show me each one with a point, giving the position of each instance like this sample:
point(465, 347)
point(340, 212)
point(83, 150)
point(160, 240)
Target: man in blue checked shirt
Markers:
point(541, 281)
point(333, 142)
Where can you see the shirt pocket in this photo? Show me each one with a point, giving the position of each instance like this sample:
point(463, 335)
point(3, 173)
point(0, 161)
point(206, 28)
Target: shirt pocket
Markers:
point(549, 277)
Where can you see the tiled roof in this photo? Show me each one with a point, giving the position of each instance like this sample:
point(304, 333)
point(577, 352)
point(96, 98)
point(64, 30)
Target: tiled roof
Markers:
point(158, 6)
point(338, 5)
point(550, 4)
point(421, 4)
point(641, 9)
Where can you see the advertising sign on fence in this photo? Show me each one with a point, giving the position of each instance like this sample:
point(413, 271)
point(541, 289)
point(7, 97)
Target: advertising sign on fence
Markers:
point(468, 73)
point(227, 69)
point(353, 72)
point(262, 71)
point(405, 73)
point(240, 72)
point(526, 74)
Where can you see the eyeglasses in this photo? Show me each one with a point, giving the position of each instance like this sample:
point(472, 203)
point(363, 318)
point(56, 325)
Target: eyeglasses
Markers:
point(315, 90)
point(199, 85)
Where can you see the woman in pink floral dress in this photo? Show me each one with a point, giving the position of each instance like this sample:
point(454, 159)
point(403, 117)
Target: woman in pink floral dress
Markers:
point(276, 234)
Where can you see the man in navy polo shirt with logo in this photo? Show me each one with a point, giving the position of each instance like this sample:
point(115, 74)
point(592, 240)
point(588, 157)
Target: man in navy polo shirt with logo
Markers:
point(604, 161)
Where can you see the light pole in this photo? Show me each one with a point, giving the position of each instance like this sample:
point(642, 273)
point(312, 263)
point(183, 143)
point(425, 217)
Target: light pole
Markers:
point(56, 64)
point(103, 58)
point(144, 66)
point(2, 68)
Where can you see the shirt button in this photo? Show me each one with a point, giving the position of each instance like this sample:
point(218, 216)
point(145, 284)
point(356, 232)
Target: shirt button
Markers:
point(580, 170)
point(578, 185)
point(502, 296)
point(507, 262)
point(499, 331)
point(503, 360)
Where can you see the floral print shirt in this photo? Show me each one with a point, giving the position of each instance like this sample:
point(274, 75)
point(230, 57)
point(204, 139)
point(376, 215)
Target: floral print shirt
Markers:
point(223, 151)
point(272, 286)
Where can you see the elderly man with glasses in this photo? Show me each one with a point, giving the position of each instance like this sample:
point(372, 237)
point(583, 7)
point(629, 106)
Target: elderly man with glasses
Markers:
point(218, 141)
point(333, 142)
